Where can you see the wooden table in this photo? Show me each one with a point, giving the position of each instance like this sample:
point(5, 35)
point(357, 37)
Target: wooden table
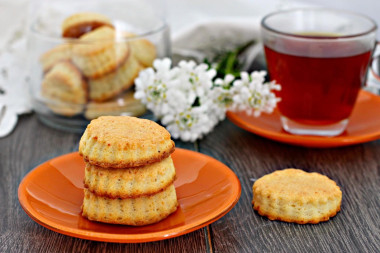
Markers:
point(356, 169)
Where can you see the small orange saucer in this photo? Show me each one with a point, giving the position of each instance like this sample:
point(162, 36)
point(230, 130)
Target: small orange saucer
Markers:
point(52, 194)
point(364, 125)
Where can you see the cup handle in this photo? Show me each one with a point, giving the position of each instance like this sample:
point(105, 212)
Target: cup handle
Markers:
point(373, 78)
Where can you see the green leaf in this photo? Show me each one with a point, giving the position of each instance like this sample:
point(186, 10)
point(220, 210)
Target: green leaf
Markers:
point(228, 62)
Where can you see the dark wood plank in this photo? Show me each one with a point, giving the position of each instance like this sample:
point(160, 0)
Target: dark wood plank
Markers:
point(29, 145)
point(356, 170)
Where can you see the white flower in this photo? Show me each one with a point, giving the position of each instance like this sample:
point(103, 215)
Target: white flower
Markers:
point(152, 86)
point(190, 104)
point(221, 98)
point(222, 91)
point(189, 125)
point(195, 80)
point(252, 95)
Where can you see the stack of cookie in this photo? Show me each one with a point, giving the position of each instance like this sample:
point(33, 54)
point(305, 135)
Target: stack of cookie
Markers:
point(129, 172)
point(107, 65)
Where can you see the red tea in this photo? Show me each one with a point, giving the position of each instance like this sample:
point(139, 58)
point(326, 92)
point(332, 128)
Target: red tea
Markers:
point(317, 90)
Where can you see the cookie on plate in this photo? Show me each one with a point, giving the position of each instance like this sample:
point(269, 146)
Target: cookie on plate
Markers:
point(98, 53)
point(130, 211)
point(124, 142)
point(80, 23)
point(64, 89)
point(130, 182)
point(293, 195)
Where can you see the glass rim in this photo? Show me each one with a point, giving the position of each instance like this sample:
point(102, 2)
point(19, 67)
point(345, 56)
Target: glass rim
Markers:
point(58, 39)
point(267, 27)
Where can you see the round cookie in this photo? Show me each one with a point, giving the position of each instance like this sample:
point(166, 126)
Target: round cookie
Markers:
point(130, 182)
point(98, 53)
point(123, 142)
point(131, 211)
point(123, 104)
point(293, 195)
point(80, 23)
point(64, 89)
point(54, 55)
point(142, 49)
point(109, 85)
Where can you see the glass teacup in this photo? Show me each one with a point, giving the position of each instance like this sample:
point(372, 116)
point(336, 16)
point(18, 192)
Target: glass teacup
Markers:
point(320, 57)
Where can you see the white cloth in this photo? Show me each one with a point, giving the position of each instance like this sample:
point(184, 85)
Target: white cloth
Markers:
point(198, 28)
point(14, 92)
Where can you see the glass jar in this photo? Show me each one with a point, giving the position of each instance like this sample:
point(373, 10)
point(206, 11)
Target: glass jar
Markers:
point(90, 72)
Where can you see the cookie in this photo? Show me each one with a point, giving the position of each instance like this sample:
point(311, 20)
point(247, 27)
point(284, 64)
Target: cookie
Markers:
point(142, 49)
point(64, 89)
point(98, 53)
point(130, 211)
point(55, 55)
point(292, 195)
point(123, 142)
point(111, 84)
point(84, 22)
point(123, 104)
point(130, 182)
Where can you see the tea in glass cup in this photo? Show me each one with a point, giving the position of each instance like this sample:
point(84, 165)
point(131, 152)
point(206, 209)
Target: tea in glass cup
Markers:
point(320, 57)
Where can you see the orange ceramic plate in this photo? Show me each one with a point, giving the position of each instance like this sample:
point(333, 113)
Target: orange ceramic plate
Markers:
point(52, 195)
point(364, 126)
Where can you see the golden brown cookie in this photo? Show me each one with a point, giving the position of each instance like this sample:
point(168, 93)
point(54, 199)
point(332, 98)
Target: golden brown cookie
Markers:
point(123, 142)
point(293, 195)
point(84, 22)
point(130, 211)
point(123, 104)
point(144, 50)
point(130, 182)
point(98, 53)
point(109, 85)
point(57, 54)
point(64, 89)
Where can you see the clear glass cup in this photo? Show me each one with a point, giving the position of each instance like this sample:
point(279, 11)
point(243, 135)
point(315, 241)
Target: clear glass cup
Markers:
point(373, 77)
point(74, 80)
point(320, 57)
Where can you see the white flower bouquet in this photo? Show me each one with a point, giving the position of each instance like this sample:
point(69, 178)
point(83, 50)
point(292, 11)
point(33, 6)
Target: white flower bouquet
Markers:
point(190, 101)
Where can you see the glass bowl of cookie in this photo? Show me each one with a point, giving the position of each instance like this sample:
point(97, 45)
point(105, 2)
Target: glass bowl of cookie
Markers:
point(84, 56)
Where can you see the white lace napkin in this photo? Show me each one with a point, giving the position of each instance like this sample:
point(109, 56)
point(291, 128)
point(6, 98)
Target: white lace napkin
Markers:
point(14, 92)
